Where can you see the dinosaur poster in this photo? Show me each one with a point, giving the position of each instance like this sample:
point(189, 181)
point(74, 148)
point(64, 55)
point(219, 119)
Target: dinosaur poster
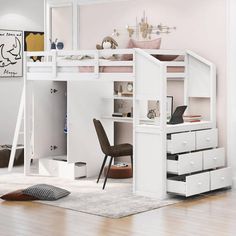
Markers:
point(11, 53)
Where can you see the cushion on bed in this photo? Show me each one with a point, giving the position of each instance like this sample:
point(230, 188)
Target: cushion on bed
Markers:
point(18, 195)
point(166, 57)
point(46, 192)
point(149, 44)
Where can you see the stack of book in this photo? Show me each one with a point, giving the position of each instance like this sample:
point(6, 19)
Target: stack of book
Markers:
point(192, 118)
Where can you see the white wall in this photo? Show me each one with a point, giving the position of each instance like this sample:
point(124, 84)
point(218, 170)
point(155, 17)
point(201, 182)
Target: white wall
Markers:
point(16, 15)
point(231, 114)
point(201, 27)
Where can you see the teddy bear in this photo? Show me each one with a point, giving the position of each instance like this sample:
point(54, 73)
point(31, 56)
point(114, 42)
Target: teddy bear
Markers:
point(107, 43)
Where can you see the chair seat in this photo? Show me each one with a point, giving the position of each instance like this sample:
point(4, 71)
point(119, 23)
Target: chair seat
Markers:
point(119, 150)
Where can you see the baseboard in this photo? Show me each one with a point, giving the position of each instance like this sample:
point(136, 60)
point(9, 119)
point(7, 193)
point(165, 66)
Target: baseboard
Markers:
point(234, 183)
point(151, 195)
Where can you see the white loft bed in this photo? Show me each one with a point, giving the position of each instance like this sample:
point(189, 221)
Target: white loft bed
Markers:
point(87, 99)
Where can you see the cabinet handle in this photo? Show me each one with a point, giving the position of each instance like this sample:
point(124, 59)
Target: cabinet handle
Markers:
point(200, 183)
point(223, 178)
point(208, 139)
point(184, 142)
point(215, 158)
point(192, 163)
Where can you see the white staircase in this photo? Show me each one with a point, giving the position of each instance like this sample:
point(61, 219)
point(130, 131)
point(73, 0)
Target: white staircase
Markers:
point(17, 132)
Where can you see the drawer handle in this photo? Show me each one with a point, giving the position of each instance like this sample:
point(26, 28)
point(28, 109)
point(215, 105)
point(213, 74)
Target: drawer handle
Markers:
point(223, 178)
point(208, 139)
point(215, 158)
point(191, 162)
point(200, 184)
point(184, 142)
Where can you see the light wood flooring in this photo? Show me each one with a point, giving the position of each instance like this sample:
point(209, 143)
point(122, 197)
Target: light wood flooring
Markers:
point(202, 216)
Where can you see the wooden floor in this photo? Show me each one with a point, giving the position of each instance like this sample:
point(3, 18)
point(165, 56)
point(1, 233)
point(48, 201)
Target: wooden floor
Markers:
point(212, 215)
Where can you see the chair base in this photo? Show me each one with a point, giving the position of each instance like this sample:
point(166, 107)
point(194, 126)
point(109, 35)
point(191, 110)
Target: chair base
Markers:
point(119, 172)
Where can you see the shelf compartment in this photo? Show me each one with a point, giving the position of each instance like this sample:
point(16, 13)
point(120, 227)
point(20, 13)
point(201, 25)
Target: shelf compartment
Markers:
point(119, 98)
point(119, 119)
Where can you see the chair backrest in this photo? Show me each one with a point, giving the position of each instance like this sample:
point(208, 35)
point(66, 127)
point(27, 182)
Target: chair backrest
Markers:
point(102, 137)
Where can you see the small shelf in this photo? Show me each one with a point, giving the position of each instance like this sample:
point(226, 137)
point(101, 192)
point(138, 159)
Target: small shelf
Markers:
point(119, 119)
point(115, 97)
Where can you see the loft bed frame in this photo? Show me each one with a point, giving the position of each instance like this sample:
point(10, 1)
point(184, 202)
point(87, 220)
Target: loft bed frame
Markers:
point(149, 76)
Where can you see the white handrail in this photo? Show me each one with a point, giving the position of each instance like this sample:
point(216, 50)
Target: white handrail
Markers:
point(199, 58)
point(148, 56)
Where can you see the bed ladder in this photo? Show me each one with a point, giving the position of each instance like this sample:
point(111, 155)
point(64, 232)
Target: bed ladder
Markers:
point(17, 132)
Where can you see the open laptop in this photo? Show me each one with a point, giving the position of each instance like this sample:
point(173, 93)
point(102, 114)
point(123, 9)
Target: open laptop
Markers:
point(177, 116)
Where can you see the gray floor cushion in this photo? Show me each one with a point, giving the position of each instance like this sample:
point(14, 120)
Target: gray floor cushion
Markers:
point(46, 192)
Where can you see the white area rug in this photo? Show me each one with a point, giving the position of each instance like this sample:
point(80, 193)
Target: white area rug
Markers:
point(86, 196)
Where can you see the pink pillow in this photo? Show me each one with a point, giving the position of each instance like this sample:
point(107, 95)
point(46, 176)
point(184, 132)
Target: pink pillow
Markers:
point(151, 44)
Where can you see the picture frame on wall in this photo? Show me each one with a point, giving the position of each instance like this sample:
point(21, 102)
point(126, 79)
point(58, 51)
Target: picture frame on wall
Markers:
point(11, 53)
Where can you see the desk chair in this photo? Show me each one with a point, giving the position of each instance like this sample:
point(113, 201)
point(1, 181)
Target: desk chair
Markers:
point(112, 151)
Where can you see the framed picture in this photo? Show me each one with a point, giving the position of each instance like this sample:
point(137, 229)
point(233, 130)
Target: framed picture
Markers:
point(169, 106)
point(11, 53)
point(34, 41)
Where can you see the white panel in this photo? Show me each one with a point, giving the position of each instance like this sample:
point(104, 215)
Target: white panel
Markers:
point(148, 78)
point(85, 102)
point(199, 78)
point(150, 171)
point(49, 119)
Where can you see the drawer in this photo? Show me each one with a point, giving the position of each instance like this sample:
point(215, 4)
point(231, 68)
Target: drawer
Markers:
point(213, 158)
point(185, 163)
point(189, 185)
point(206, 139)
point(181, 142)
point(50, 167)
point(80, 170)
point(220, 178)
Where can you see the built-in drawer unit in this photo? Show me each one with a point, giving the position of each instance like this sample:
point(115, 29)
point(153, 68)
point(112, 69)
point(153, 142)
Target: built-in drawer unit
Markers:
point(59, 168)
point(213, 158)
point(206, 139)
point(181, 142)
point(184, 163)
point(189, 185)
point(220, 178)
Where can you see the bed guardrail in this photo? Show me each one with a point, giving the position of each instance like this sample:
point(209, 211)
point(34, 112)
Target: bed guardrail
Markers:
point(95, 64)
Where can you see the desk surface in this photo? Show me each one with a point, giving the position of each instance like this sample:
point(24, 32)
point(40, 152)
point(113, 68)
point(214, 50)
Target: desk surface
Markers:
point(187, 126)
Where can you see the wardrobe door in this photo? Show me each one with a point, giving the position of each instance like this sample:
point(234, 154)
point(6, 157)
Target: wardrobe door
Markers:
point(59, 110)
point(49, 110)
point(85, 102)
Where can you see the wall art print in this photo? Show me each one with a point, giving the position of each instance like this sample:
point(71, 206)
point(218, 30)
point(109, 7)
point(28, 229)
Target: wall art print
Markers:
point(11, 53)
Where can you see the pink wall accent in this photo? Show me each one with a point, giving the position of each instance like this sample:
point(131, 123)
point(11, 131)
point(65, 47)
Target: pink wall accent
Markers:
point(201, 27)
